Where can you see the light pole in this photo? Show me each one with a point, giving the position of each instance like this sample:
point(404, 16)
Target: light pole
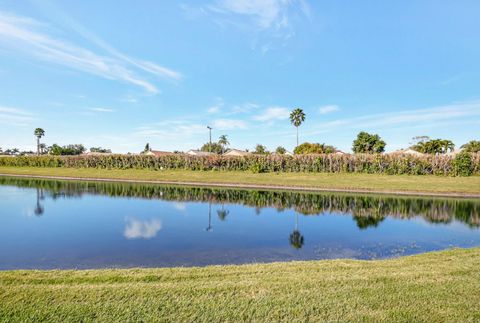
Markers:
point(210, 145)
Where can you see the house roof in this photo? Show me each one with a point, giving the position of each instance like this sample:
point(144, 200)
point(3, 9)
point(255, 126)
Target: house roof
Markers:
point(407, 152)
point(199, 153)
point(158, 153)
point(236, 152)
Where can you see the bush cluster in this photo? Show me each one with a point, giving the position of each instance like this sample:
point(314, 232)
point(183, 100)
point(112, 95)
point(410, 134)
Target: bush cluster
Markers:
point(330, 163)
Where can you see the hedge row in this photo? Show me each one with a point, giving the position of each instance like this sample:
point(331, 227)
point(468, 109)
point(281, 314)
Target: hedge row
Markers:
point(464, 164)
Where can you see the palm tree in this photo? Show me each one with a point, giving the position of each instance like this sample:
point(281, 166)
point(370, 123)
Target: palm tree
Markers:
point(297, 116)
point(296, 238)
point(39, 133)
point(223, 141)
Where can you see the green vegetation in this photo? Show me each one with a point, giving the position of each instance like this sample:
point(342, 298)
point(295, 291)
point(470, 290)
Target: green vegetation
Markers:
point(217, 147)
point(393, 164)
point(368, 144)
point(297, 117)
point(68, 150)
point(472, 146)
point(370, 182)
point(100, 150)
point(315, 148)
point(426, 145)
point(463, 165)
point(434, 287)
point(260, 150)
point(280, 150)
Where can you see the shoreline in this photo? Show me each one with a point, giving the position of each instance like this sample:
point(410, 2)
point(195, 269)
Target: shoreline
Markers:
point(234, 185)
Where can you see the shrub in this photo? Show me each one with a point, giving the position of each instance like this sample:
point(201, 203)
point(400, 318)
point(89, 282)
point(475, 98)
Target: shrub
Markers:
point(331, 163)
point(313, 148)
point(462, 164)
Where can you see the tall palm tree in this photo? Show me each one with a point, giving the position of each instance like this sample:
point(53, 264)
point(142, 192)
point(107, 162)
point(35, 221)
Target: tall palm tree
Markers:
point(223, 141)
point(297, 117)
point(39, 133)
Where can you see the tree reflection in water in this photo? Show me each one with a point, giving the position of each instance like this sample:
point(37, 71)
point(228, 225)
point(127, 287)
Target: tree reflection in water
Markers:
point(296, 239)
point(367, 210)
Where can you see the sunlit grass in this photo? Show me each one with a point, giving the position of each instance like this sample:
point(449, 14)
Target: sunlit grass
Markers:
point(434, 287)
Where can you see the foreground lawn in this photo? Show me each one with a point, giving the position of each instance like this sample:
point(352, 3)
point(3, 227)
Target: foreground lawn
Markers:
point(369, 182)
point(434, 287)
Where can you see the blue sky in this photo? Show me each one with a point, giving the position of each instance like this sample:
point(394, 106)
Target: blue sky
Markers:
point(118, 74)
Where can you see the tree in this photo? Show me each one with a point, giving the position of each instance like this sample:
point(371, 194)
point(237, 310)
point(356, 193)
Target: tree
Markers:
point(260, 150)
point(147, 148)
point(368, 143)
point(314, 148)
point(434, 146)
point(297, 117)
point(472, 146)
point(39, 133)
point(223, 141)
point(100, 150)
point(280, 150)
point(67, 150)
point(214, 148)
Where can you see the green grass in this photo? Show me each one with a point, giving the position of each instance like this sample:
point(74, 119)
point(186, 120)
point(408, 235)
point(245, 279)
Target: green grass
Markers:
point(433, 287)
point(373, 182)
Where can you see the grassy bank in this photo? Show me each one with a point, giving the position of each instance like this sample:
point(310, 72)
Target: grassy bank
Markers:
point(342, 181)
point(434, 287)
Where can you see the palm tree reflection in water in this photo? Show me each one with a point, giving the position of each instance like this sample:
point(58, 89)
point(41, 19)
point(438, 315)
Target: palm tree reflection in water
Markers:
point(296, 238)
point(39, 209)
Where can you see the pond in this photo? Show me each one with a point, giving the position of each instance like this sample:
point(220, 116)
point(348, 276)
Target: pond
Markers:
point(48, 224)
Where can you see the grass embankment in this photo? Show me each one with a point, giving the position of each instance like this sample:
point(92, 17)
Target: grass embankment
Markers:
point(335, 181)
point(433, 287)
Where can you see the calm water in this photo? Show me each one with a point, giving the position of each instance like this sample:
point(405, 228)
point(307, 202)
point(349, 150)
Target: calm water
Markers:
point(60, 224)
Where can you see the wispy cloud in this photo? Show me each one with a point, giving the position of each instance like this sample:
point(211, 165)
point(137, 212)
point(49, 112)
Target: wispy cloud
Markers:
point(273, 113)
point(29, 37)
point(229, 124)
point(271, 21)
point(15, 116)
point(405, 119)
point(265, 14)
point(105, 110)
point(328, 109)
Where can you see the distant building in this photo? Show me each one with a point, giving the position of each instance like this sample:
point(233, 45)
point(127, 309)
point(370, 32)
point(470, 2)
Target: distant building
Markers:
point(236, 153)
point(199, 153)
point(158, 153)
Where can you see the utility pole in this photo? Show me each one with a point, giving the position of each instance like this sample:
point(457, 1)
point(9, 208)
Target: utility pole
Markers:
point(210, 146)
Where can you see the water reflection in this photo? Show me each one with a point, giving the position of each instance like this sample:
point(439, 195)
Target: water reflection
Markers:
point(367, 210)
point(105, 224)
point(145, 229)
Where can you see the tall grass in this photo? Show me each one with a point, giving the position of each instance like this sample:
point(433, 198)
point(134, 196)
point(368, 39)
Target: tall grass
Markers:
point(329, 163)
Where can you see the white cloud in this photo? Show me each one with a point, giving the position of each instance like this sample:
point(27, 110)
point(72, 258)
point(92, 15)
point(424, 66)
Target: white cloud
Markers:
point(404, 119)
point(101, 110)
point(328, 109)
point(229, 124)
point(28, 37)
point(138, 229)
point(273, 113)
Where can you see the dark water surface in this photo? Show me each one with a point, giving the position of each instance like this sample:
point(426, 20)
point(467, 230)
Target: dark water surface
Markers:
point(62, 224)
